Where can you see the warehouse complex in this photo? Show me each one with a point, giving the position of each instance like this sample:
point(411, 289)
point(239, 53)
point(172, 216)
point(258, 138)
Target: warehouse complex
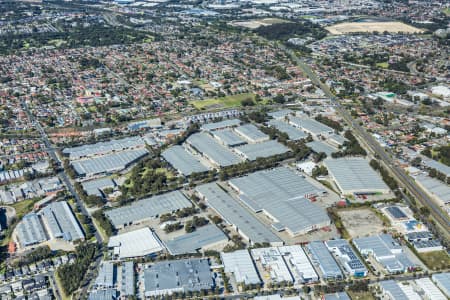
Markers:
point(263, 149)
point(282, 195)
point(171, 276)
point(386, 251)
point(251, 133)
point(347, 257)
point(355, 176)
point(322, 259)
point(273, 265)
point(147, 209)
point(137, 243)
point(54, 221)
point(294, 133)
point(202, 238)
point(240, 264)
point(299, 264)
point(95, 187)
point(183, 161)
point(311, 126)
point(234, 214)
point(228, 137)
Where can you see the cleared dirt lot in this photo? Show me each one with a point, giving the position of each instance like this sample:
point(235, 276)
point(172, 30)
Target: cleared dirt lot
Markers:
point(361, 222)
point(253, 24)
point(351, 27)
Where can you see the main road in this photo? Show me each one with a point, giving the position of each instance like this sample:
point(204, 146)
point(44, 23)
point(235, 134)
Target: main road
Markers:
point(374, 147)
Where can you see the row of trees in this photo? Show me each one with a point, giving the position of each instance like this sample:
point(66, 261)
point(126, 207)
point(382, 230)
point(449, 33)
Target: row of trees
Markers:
point(351, 147)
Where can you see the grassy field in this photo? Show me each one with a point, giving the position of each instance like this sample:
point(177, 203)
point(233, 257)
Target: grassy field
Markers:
point(436, 260)
point(351, 27)
point(383, 65)
point(23, 207)
point(223, 102)
point(447, 11)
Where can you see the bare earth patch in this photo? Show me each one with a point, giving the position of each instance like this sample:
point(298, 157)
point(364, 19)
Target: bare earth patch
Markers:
point(360, 222)
point(392, 27)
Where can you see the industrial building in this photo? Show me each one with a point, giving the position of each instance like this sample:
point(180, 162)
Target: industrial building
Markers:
point(30, 230)
point(280, 114)
point(103, 148)
point(147, 208)
point(293, 132)
point(442, 281)
point(263, 149)
point(397, 291)
point(216, 153)
point(280, 193)
point(321, 147)
point(251, 133)
point(202, 238)
point(436, 188)
point(183, 161)
point(353, 175)
point(273, 264)
point(107, 276)
point(95, 187)
point(61, 223)
point(127, 282)
point(108, 294)
point(298, 263)
point(137, 243)
point(107, 164)
point(234, 214)
point(240, 264)
point(323, 259)
point(183, 275)
point(228, 137)
point(347, 257)
point(337, 296)
point(311, 126)
point(386, 251)
point(429, 289)
point(229, 123)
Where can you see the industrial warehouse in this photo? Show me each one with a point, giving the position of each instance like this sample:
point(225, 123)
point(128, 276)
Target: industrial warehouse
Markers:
point(183, 161)
point(283, 196)
point(355, 176)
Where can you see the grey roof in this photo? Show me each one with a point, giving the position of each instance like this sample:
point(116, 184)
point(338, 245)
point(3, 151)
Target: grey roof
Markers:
point(104, 147)
point(95, 187)
point(233, 213)
point(443, 282)
point(251, 132)
point(106, 275)
point(183, 161)
point(108, 294)
point(30, 230)
point(108, 163)
point(209, 147)
point(127, 283)
point(310, 125)
point(323, 258)
point(435, 187)
point(355, 175)
point(346, 256)
point(280, 192)
point(337, 296)
point(339, 139)
point(318, 146)
point(431, 163)
point(62, 222)
point(293, 132)
point(426, 244)
point(241, 265)
point(192, 274)
point(148, 208)
point(394, 290)
point(221, 124)
point(396, 212)
point(263, 149)
point(228, 137)
point(280, 113)
point(191, 242)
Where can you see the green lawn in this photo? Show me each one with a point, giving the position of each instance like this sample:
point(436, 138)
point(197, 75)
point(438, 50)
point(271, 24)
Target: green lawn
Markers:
point(23, 207)
point(436, 260)
point(223, 102)
point(383, 65)
point(447, 11)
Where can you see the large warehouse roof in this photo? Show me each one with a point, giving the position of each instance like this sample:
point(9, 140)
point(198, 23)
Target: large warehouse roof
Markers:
point(251, 133)
point(104, 147)
point(311, 126)
point(30, 230)
point(394, 291)
point(293, 132)
point(319, 146)
point(354, 175)
point(228, 137)
point(221, 124)
point(233, 213)
point(264, 149)
point(431, 163)
point(191, 242)
point(108, 163)
point(442, 280)
point(148, 208)
point(280, 192)
point(241, 265)
point(183, 161)
point(297, 260)
point(322, 257)
point(208, 146)
point(94, 187)
point(435, 187)
point(127, 287)
point(135, 243)
point(191, 274)
point(61, 222)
